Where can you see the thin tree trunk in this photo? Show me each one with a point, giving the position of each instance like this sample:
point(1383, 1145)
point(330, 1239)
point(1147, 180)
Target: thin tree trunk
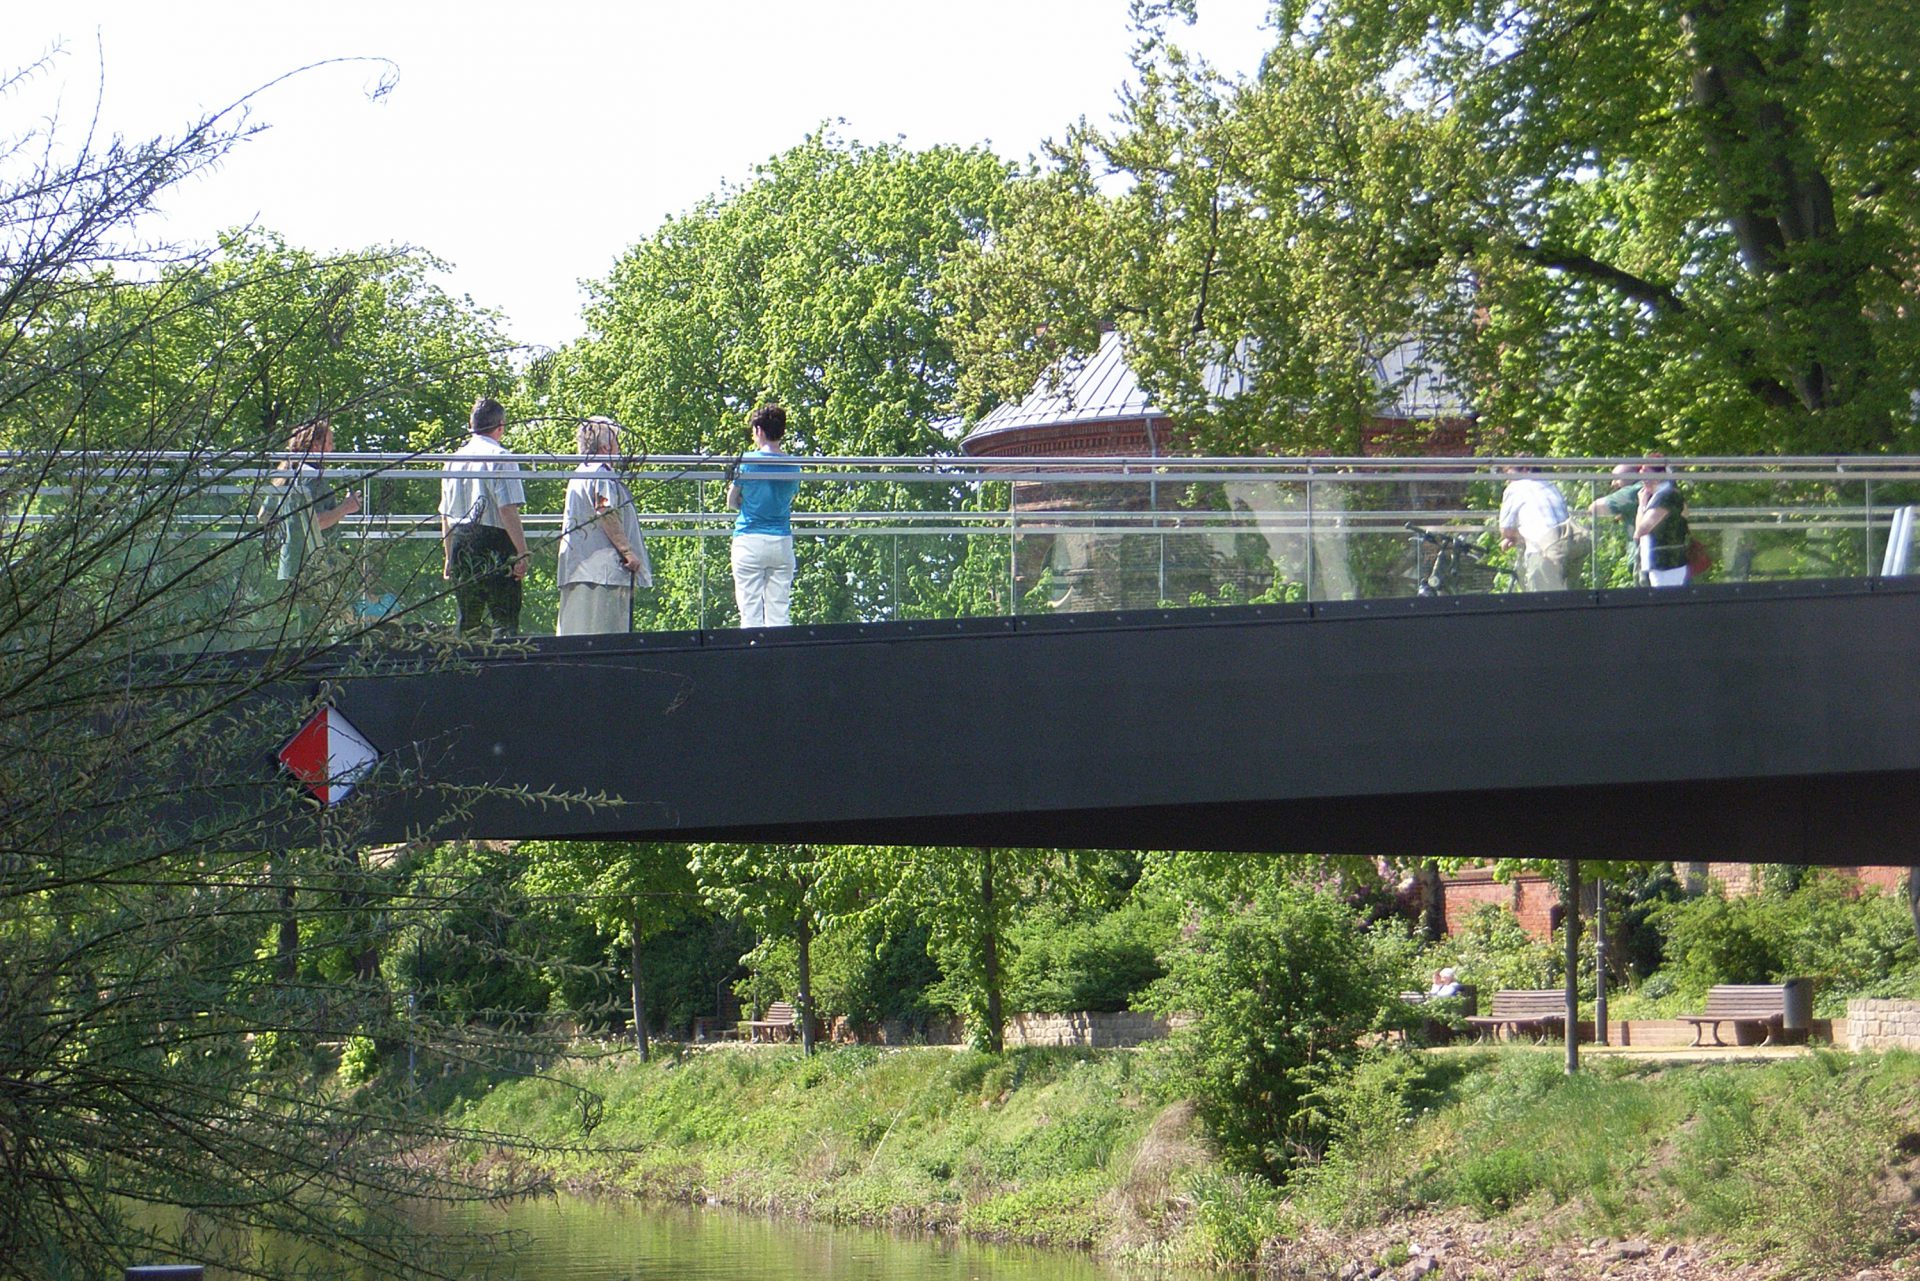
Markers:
point(287, 948)
point(1570, 922)
point(639, 994)
point(990, 953)
point(805, 998)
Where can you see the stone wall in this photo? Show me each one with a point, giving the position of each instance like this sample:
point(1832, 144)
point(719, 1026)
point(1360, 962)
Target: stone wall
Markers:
point(1091, 1031)
point(1883, 1025)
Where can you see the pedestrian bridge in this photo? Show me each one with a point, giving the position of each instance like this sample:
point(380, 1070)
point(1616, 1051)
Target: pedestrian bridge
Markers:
point(1758, 721)
point(1010, 669)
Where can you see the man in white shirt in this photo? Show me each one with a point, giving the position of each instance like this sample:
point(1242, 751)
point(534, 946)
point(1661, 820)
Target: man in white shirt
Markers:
point(480, 532)
point(1533, 512)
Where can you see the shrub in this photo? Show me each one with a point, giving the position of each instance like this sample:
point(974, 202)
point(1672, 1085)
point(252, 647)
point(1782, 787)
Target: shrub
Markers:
point(1281, 990)
point(1492, 951)
point(1232, 1217)
point(1067, 961)
point(1369, 1113)
point(359, 1061)
point(1851, 944)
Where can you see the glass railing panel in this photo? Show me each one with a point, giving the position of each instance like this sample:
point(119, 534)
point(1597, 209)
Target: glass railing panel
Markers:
point(899, 539)
point(1757, 527)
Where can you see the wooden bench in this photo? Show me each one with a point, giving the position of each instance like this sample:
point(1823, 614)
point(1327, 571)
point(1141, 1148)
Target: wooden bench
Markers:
point(1535, 1011)
point(1759, 1005)
point(778, 1022)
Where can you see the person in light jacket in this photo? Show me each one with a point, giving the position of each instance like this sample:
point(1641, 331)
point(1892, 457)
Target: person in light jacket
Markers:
point(601, 555)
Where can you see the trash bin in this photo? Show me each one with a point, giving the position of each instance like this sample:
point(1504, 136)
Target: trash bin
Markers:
point(1797, 1002)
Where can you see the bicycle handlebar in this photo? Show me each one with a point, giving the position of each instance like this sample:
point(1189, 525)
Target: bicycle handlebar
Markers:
point(1459, 544)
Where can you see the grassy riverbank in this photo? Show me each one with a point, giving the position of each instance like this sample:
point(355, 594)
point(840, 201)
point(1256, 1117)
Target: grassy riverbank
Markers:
point(1809, 1165)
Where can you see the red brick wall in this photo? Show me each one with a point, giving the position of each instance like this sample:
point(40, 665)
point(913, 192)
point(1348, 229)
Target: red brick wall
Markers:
point(1893, 880)
point(1747, 878)
point(1530, 898)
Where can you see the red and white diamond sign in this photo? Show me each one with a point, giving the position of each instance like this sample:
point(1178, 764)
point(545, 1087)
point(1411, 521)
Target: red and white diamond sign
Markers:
point(329, 755)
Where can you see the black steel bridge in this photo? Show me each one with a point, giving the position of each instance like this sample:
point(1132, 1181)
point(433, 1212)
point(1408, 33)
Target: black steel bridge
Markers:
point(1772, 722)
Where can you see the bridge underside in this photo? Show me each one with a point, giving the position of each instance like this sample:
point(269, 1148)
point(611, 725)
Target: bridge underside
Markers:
point(1747, 722)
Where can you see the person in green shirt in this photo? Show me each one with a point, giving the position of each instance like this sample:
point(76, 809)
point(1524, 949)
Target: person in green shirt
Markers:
point(300, 508)
point(1622, 503)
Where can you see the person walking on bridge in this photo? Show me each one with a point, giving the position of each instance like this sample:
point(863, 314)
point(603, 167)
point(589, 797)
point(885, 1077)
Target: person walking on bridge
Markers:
point(762, 490)
point(484, 543)
point(601, 555)
point(298, 510)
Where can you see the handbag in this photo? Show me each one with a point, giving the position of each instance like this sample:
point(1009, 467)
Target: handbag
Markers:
point(1699, 559)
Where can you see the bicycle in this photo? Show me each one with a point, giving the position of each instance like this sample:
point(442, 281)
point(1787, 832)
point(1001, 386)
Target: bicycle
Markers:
point(1458, 566)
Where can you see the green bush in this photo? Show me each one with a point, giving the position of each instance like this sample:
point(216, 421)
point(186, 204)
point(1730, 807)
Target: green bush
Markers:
point(1066, 961)
point(359, 1061)
point(1282, 989)
point(1233, 1215)
point(1851, 944)
point(1365, 1176)
point(1491, 950)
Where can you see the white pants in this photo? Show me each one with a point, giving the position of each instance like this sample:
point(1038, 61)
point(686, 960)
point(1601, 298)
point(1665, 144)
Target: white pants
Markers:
point(763, 568)
point(587, 609)
point(1675, 577)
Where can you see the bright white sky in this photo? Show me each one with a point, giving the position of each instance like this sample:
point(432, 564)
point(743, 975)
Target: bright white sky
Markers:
point(529, 144)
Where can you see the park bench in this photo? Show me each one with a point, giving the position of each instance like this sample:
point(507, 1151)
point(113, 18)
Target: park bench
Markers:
point(1534, 1011)
point(1757, 1005)
point(778, 1022)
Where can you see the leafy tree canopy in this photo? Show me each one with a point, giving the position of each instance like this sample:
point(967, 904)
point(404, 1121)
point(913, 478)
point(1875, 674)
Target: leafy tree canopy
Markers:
point(1616, 226)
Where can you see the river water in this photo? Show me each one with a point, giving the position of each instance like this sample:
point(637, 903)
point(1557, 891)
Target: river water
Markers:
point(584, 1239)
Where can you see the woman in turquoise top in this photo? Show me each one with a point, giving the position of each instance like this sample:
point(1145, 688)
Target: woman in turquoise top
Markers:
point(762, 492)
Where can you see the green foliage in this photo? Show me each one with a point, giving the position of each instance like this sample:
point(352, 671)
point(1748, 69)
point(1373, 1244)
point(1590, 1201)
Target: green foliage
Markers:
point(1615, 229)
point(813, 284)
point(1526, 1132)
point(183, 938)
point(1851, 945)
point(1364, 1176)
point(875, 971)
point(1066, 960)
point(1491, 950)
point(1811, 1145)
point(1233, 1214)
point(1282, 990)
point(359, 1060)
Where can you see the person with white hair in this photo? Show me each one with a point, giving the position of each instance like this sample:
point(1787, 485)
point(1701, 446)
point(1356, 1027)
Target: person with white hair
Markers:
point(601, 554)
point(1445, 983)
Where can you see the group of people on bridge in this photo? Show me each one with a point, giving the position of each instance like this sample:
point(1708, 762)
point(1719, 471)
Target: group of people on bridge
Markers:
point(1645, 499)
point(602, 556)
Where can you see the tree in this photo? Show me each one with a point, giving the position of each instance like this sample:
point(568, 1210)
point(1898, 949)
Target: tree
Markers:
point(1618, 227)
point(163, 1041)
point(784, 892)
point(630, 890)
point(814, 284)
point(970, 899)
point(1283, 988)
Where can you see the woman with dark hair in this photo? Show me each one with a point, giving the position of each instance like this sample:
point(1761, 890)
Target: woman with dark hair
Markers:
point(1661, 527)
point(762, 492)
